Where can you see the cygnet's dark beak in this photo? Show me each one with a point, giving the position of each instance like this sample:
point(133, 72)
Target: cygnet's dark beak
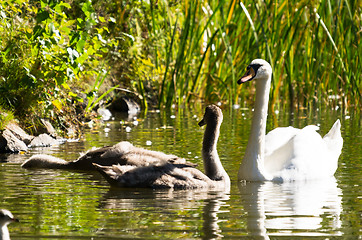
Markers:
point(202, 123)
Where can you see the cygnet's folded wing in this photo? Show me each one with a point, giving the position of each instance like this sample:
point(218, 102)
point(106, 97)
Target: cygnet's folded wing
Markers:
point(161, 175)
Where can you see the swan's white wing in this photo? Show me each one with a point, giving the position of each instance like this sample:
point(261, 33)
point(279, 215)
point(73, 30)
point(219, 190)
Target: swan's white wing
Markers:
point(279, 158)
point(333, 139)
point(304, 156)
point(278, 137)
point(283, 145)
point(311, 158)
point(278, 148)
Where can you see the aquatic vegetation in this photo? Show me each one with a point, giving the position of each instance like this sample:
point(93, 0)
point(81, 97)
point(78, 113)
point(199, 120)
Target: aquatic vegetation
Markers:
point(170, 53)
point(312, 46)
point(173, 53)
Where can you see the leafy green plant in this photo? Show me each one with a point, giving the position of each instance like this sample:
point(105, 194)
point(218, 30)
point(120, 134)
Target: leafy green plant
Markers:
point(5, 118)
point(46, 50)
point(92, 96)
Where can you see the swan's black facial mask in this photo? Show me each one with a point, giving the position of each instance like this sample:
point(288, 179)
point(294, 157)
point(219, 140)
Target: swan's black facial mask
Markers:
point(250, 73)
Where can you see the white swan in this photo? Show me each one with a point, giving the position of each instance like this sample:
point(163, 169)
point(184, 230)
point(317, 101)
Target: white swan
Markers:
point(5, 218)
point(175, 175)
point(285, 154)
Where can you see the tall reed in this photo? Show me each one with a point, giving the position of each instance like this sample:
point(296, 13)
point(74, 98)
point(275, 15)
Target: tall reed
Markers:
point(314, 48)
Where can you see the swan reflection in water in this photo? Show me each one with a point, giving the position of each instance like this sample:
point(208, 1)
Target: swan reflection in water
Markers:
point(304, 208)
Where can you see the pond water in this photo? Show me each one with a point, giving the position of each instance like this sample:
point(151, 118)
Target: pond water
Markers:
point(61, 204)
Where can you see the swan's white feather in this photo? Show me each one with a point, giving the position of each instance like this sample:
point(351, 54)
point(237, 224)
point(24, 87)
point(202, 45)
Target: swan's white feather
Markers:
point(300, 154)
point(309, 159)
point(289, 149)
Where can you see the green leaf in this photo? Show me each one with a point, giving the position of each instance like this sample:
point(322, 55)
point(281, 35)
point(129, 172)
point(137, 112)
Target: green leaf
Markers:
point(37, 31)
point(41, 16)
point(72, 94)
point(57, 104)
point(101, 19)
point(80, 45)
point(67, 5)
point(87, 8)
point(66, 86)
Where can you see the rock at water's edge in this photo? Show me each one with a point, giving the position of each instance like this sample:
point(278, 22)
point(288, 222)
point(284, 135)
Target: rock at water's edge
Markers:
point(19, 133)
point(10, 143)
point(49, 128)
point(43, 140)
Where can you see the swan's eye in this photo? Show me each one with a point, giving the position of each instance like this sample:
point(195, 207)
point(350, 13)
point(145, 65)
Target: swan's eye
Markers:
point(248, 68)
point(256, 67)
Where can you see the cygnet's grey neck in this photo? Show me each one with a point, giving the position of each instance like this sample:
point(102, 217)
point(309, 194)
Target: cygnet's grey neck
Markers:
point(212, 165)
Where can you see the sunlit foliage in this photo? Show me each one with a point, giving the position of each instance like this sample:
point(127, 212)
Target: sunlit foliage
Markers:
point(177, 52)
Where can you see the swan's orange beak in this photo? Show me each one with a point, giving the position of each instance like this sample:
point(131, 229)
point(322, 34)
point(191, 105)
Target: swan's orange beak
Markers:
point(202, 123)
point(249, 75)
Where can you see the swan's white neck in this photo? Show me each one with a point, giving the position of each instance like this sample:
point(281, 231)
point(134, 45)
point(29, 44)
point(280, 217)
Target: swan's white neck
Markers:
point(4, 234)
point(212, 164)
point(252, 167)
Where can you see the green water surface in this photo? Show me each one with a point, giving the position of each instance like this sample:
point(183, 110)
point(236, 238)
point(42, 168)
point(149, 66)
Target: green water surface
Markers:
point(61, 204)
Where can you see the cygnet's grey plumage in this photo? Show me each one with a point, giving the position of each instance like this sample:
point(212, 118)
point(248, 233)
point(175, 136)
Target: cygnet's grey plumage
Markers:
point(173, 174)
point(5, 218)
point(123, 153)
